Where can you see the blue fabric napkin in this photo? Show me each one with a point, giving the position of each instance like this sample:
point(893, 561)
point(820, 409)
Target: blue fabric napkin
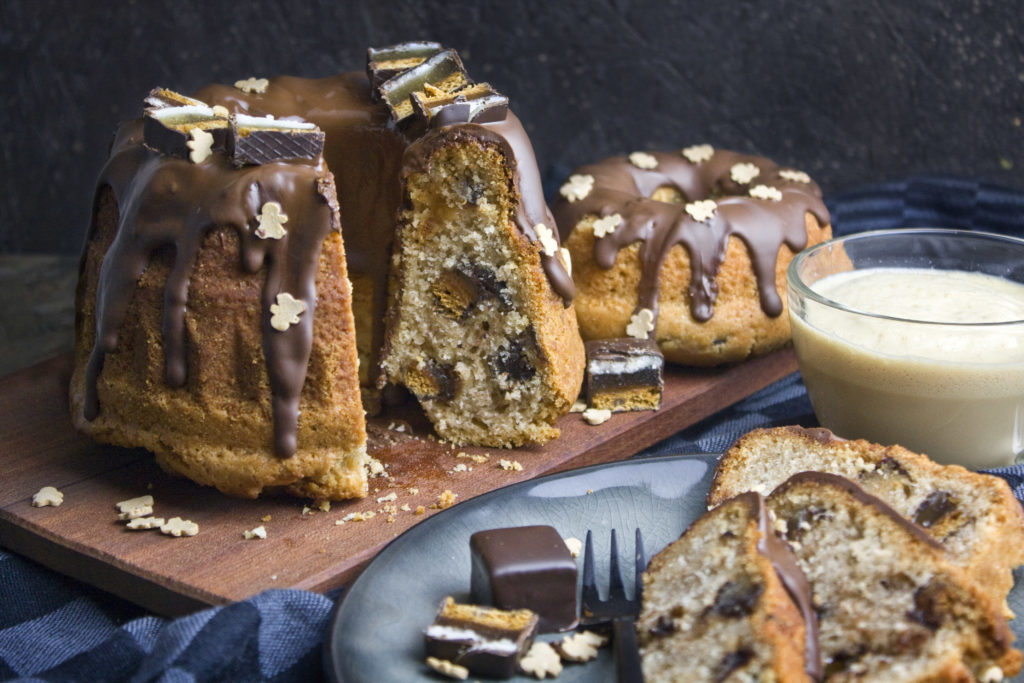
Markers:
point(56, 629)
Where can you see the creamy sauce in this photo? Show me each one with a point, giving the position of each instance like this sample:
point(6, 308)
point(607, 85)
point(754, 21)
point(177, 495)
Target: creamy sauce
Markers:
point(953, 391)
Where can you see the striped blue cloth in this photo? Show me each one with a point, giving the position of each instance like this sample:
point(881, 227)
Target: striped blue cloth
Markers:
point(55, 629)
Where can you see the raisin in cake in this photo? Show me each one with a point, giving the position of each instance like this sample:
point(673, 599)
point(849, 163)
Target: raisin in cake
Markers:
point(723, 603)
point(974, 516)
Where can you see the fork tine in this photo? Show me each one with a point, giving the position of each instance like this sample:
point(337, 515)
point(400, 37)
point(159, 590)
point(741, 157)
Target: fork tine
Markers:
point(589, 595)
point(640, 566)
point(616, 589)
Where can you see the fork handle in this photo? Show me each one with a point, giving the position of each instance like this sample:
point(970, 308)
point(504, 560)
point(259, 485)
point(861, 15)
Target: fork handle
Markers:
point(627, 651)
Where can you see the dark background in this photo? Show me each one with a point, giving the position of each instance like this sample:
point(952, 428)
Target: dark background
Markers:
point(851, 91)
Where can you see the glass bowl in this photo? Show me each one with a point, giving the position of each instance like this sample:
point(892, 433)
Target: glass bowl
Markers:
point(915, 337)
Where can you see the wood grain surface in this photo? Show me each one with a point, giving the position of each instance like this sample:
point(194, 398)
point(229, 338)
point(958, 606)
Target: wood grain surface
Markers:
point(305, 548)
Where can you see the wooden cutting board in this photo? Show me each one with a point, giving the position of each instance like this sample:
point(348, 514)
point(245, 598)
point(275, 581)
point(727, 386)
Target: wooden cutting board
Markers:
point(305, 548)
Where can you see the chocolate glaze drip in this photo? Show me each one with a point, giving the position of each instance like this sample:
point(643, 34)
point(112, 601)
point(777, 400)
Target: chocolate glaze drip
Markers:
point(152, 192)
point(509, 135)
point(795, 582)
point(854, 490)
point(363, 152)
point(763, 225)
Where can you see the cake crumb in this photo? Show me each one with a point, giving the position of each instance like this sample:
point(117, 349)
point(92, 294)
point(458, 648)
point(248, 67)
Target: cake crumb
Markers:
point(541, 661)
point(388, 498)
point(357, 517)
point(47, 496)
point(259, 532)
point(446, 499)
point(596, 416)
point(420, 510)
point(460, 467)
point(265, 518)
point(324, 506)
point(306, 510)
point(510, 465)
point(405, 508)
point(446, 668)
point(574, 545)
point(578, 406)
point(413, 490)
point(375, 467)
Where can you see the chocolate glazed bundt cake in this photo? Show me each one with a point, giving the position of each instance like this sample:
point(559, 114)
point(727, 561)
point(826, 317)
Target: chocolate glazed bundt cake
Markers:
point(214, 322)
point(689, 248)
point(215, 311)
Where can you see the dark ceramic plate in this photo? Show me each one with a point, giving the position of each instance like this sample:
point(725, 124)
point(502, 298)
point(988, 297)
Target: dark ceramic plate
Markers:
point(376, 632)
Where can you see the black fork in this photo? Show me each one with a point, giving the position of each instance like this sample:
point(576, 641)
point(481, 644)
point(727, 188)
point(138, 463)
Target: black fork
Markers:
point(616, 610)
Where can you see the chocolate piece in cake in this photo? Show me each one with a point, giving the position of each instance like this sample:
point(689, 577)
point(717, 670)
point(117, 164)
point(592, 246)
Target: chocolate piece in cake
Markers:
point(384, 62)
point(170, 120)
point(485, 640)
point(624, 374)
point(478, 103)
point(526, 567)
point(259, 140)
point(440, 75)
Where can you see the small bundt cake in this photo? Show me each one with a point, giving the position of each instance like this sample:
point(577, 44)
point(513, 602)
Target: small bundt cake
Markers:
point(689, 248)
point(481, 328)
point(974, 516)
point(215, 312)
point(728, 602)
point(890, 607)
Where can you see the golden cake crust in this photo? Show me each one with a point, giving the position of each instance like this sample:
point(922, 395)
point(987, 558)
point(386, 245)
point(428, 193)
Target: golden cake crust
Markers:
point(217, 429)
